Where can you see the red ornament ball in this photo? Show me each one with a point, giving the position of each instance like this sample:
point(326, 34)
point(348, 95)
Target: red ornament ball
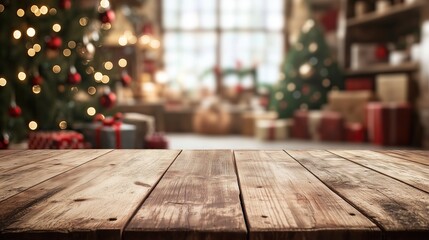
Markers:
point(126, 79)
point(107, 100)
point(118, 116)
point(15, 111)
point(65, 4)
point(37, 80)
point(4, 141)
point(381, 52)
point(107, 16)
point(74, 78)
point(54, 42)
point(99, 117)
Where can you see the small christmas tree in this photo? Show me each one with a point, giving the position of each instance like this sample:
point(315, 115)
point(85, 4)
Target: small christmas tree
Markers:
point(310, 73)
point(49, 73)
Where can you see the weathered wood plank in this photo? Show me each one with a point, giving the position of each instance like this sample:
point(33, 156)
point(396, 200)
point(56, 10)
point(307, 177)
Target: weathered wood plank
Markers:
point(401, 210)
point(282, 200)
point(409, 172)
point(22, 158)
point(92, 201)
point(18, 179)
point(414, 155)
point(198, 198)
point(4, 153)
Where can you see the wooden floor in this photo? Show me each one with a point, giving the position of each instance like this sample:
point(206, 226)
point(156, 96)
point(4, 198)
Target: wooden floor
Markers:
point(214, 194)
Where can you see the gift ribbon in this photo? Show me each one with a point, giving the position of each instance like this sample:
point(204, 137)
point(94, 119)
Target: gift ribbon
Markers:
point(271, 131)
point(108, 122)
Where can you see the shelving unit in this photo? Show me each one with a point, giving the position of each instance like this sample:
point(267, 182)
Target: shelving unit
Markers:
point(384, 68)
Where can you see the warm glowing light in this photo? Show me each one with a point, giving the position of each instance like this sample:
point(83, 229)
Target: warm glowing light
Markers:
point(83, 21)
point(74, 89)
point(108, 65)
point(3, 82)
point(98, 76)
point(56, 27)
point(291, 87)
point(32, 125)
point(44, 10)
point(36, 89)
point(56, 69)
point(104, 3)
point(38, 13)
point(161, 77)
point(106, 26)
point(20, 12)
point(31, 52)
point(17, 34)
point(90, 70)
point(122, 40)
point(22, 76)
point(313, 47)
point(122, 62)
point(144, 40)
point(37, 47)
point(34, 9)
point(105, 79)
point(62, 125)
point(72, 44)
point(66, 52)
point(132, 39)
point(31, 32)
point(155, 44)
point(91, 111)
point(279, 95)
point(92, 90)
point(326, 82)
point(1, 8)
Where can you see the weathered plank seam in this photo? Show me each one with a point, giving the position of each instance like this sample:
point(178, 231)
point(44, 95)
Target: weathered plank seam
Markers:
point(41, 159)
point(90, 160)
point(385, 174)
point(243, 208)
point(401, 157)
point(3, 154)
point(147, 195)
point(383, 230)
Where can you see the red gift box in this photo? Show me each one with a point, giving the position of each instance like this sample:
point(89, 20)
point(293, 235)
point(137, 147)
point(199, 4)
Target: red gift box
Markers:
point(56, 140)
point(355, 132)
point(331, 126)
point(156, 141)
point(300, 126)
point(388, 123)
point(358, 84)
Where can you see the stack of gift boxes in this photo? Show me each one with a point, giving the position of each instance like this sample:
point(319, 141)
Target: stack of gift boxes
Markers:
point(375, 110)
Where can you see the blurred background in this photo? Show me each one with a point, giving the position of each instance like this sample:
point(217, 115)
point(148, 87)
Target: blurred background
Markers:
point(214, 74)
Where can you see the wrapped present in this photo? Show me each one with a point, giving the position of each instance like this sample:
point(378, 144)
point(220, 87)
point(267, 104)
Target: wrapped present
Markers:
point(393, 87)
point(362, 55)
point(211, 117)
point(156, 141)
point(300, 124)
point(272, 129)
point(355, 132)
point(350, 104)
point(389, 123)
point(331, 126)
point(145, 126)
point(358, 84)
point(249, 120)
point(110, 133)
point(314, 122)
point(56, 140)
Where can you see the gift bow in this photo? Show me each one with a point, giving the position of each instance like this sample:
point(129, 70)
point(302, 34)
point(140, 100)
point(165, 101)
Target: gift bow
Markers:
point(114, 122)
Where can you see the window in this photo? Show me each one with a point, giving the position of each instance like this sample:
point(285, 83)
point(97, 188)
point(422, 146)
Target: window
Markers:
point(199, 35)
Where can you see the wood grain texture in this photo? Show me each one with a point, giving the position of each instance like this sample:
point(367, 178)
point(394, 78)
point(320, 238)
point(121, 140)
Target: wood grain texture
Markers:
point(282, 200)
point(198, 198)
point(22, 158)
point(409, 172)
point(21, 178)
point(421, 157)
point(4, 153)
point(401, 210)
point(92, 201)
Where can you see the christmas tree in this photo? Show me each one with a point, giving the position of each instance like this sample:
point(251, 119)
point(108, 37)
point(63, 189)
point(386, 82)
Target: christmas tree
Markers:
point(309, 74)
point(50, 74)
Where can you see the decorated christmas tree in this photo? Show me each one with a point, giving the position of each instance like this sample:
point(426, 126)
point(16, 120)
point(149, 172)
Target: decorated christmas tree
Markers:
point(51, 72)
point(309, 73)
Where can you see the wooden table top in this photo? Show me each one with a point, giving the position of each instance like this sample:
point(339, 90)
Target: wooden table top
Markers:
point(214, 194)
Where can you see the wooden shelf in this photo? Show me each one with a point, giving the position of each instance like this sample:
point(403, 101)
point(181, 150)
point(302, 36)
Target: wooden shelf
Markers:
point(383, 68)
point(393, 13)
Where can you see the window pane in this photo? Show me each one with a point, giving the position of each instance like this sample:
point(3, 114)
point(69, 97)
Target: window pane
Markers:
point(274, 22)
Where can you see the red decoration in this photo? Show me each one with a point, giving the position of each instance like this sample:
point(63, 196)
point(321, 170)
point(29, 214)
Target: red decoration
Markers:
point(118, 116)
point(15, 111)
point(107, 100)
point(74, 77)
point(54, 42)
point(99, 117)
point(126, 79)
point(37, 80)
point(147, 29)
point(107, 16)
point(381, 52)
point(4, 141)
point(65, 4)
point(239, 88)
point(355, 132)
point(331, 126)
point(156, 141)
